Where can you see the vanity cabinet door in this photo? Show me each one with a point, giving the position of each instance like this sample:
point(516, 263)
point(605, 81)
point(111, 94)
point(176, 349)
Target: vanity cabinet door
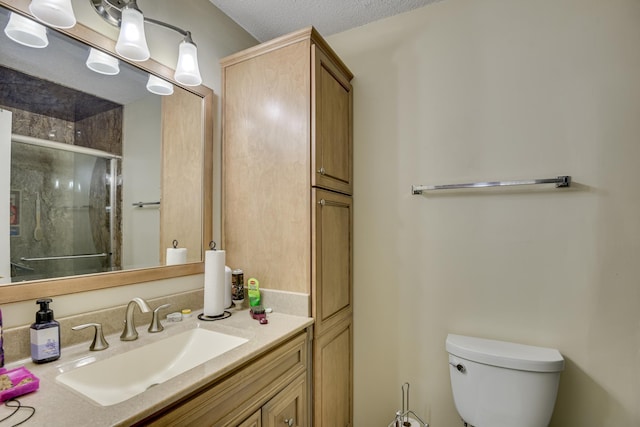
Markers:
point(255, 420)
point(331, 138)
point(287, 408)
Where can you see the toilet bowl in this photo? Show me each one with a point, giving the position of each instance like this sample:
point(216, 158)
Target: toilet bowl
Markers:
point(503, 384)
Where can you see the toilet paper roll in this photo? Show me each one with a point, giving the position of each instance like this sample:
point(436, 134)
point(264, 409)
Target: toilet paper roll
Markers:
point(409, 422)
point(176, 256)
point(227, 287)
point(214, 283)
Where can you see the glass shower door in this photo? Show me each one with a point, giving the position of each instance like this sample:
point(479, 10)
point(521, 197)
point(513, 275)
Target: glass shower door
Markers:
point(66, 218)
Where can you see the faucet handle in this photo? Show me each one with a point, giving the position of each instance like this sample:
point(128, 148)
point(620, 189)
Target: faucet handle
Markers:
point(99, 343)
point(155, 325)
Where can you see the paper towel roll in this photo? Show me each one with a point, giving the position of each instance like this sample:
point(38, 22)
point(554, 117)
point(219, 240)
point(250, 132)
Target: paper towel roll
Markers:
point(214, 281)
point(176, 256)
point(227, 287)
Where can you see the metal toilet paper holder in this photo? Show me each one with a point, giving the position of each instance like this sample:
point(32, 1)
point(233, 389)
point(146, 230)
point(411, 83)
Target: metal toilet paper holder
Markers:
point(402, 417)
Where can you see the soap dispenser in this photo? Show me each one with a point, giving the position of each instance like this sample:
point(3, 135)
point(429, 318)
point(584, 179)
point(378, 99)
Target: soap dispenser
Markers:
point(45, 334)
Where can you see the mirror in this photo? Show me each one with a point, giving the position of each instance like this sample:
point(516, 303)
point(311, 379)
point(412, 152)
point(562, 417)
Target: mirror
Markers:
point(99, 187)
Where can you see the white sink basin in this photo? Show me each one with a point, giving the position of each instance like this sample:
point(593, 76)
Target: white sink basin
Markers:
point(125, 375)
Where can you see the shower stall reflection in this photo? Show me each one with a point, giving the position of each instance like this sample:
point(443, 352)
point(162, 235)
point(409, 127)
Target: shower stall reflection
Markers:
point(67, 198)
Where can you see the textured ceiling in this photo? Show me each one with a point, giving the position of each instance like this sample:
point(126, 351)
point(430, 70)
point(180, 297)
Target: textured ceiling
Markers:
point(267, 19)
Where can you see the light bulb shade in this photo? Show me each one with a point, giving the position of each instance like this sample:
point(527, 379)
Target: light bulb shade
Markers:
point(57, 13)
point(102, 63)
point(132, 43)
point(187, 71)
point(26, 32)
point(159, 86)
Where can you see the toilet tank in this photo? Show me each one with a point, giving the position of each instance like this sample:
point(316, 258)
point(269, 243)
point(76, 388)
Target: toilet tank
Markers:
point(503, 384)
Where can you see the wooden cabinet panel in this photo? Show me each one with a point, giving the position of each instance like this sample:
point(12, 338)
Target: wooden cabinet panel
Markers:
point(331, 125)
point(333, 377)
point(332, 259)
point(289, 407)
point(255, 420)
point(266, 161)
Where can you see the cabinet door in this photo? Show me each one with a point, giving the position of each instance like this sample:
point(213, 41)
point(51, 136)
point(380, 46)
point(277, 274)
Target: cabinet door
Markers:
point(332, 377)
point(289, 407)
point(255, 420)
point(331, 125)
point(331, 286)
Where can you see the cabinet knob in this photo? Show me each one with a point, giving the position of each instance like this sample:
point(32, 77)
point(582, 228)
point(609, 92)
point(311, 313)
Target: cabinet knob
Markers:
point(290, 422)
point(321, 170)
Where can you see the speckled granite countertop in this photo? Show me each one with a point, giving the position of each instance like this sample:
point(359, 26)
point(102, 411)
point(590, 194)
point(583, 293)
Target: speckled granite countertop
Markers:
point(58, 405)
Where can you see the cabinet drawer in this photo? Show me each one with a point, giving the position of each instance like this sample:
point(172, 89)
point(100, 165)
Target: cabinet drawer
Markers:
point(233, 398)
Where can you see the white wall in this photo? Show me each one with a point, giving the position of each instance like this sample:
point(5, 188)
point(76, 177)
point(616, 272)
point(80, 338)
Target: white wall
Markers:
point(466, 90)
point(216, 36)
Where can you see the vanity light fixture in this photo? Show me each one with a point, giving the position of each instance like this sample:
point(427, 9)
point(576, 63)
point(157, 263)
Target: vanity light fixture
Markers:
point(56, 13)
point(26, 31)
point(102, 63)
point(187, 70)
point(159, 86)
point(132, 43)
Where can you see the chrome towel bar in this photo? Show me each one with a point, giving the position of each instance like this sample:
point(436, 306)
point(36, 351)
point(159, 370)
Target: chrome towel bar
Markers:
point(561, 181)
point(53, 258)
point(141, 204)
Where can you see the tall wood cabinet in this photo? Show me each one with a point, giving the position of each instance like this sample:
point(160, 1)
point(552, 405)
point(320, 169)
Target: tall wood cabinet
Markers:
point(287, 115)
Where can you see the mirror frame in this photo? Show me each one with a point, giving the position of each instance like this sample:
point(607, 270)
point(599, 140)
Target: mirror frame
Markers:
point(16, 292)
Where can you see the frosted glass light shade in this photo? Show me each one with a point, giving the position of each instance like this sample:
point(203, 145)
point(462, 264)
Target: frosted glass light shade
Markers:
point(187, 71)
point(26, 32)
point(132, 42)
point(159, 86)
point(57, 13)
point(102, 63)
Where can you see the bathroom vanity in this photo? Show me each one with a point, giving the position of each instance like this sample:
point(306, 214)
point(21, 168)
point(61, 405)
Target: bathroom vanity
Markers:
point(261, 382)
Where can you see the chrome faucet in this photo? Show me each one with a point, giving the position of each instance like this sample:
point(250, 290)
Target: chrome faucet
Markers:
point(130, 333)
point(98, 343)
point(155, 325)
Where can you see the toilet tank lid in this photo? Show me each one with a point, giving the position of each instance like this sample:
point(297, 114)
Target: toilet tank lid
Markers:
point(505, 354)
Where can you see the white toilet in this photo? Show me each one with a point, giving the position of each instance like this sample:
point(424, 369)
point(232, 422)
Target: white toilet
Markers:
point(502, 384)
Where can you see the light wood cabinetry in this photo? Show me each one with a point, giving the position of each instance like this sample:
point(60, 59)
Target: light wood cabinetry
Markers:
point(331, 290)
point(288, 408)
point(255, 420)
point(331, 134)
point(332, 379)
point(287, 185)
point(274, 383)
